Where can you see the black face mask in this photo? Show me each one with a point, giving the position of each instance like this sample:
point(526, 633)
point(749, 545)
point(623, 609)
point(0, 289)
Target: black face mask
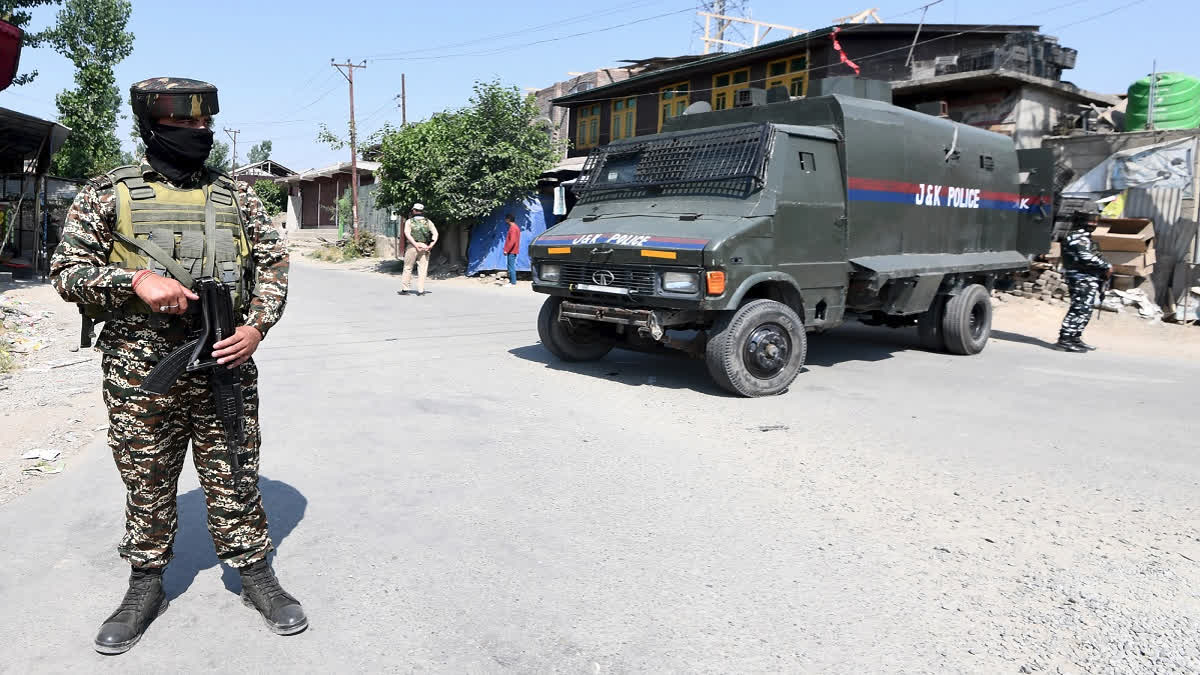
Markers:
point(178, 152)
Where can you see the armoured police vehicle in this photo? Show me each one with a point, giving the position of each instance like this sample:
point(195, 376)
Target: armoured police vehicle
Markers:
point(733, 233)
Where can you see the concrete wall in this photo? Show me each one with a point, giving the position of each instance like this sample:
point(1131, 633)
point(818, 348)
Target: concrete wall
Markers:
point(1037, 113)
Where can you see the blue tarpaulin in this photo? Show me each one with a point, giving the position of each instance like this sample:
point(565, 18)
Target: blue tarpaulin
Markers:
point(486, 249)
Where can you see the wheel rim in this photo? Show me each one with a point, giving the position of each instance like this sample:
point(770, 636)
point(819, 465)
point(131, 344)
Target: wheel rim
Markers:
point(978, 320)
point(768, 351)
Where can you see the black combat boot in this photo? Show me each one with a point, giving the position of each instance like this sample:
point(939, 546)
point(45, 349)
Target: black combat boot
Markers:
point(261, 590)
point(143, 602)
point(1069, 345)
point(1086, 346)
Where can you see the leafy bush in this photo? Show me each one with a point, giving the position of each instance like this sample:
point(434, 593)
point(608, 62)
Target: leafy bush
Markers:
point(360, 245)
point(272, 196)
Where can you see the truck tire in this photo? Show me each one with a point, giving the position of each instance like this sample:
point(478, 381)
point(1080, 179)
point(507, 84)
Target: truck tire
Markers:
point(968, 321)
point(566, 342)
point(757, 350)
point(929, 325)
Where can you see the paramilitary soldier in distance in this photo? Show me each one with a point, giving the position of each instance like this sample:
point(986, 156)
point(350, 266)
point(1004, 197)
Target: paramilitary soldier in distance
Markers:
point(1084, 270)
point(133, 240)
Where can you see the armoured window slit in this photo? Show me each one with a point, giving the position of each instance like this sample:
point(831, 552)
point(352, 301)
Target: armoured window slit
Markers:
point(733, 154)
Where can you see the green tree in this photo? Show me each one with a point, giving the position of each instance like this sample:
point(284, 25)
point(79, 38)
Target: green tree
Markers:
point(260, 152)
point(17, 13)
point(218, 158)
point(464, 164)
point(91, 33)
point(273, 197)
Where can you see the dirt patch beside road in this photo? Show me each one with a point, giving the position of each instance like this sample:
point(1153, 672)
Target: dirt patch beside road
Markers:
point(1121, 333)
point(50, 402)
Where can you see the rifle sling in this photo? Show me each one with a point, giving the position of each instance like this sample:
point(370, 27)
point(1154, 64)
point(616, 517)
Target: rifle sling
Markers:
point(160, 256)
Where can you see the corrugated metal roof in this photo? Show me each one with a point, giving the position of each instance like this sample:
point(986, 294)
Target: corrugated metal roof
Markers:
point(22, 135)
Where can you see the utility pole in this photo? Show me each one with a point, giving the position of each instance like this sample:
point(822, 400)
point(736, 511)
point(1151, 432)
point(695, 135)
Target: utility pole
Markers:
point(403, 102)
point(349, 75)
point(233, 134)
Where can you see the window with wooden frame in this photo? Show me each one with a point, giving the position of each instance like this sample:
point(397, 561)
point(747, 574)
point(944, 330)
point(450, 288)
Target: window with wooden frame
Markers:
point(624, 118)
point(587, 126)
point(725, 84)
point(791, 73)
point(672, 101)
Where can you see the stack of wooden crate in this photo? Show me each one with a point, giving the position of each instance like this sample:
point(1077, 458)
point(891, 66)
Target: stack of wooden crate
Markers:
point(1127, 243)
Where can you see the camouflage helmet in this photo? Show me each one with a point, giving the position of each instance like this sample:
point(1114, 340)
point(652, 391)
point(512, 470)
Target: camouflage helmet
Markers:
point(172, 97)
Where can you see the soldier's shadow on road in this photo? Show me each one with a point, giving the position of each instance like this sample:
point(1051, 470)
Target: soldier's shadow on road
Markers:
point(1023, 339)
point(194, 550)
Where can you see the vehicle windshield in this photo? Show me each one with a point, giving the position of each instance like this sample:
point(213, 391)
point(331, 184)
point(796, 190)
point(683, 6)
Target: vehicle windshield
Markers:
point(729, 161)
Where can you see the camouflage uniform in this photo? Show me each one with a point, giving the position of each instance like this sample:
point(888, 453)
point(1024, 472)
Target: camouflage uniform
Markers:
point(149, 434)
point(1084, 269)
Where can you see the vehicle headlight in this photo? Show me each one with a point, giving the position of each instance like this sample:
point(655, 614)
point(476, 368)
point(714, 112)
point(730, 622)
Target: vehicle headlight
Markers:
point(550, 272)
point(681, 282)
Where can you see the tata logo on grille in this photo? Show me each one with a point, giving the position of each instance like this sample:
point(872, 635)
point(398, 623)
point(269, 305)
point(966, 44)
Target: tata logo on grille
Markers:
point(604, 278)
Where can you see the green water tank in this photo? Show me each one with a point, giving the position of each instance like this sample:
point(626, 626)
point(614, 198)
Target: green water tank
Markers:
point(1176, 102)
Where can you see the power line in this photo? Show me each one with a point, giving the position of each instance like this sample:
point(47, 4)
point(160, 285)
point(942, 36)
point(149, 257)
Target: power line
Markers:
point(318, 99)
point(536, 42)
point(561, 22)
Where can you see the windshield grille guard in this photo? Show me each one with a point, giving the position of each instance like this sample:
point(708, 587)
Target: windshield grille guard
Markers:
point(736, 154)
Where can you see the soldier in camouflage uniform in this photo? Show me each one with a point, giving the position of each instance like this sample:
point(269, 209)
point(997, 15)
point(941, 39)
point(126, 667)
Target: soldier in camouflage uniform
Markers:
point(1084, 270)
point(146, 318)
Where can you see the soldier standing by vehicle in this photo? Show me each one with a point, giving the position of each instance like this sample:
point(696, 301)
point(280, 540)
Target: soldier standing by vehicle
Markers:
point(1084, 270)
point(421, 235)
point(131, 237)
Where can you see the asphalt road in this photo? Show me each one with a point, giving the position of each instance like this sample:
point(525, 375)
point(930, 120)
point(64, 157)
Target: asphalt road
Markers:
point(445, 497)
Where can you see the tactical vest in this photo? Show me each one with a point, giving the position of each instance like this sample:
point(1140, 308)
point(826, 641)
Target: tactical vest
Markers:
point(1071, 259)
point(420, 230)
point(177, 232)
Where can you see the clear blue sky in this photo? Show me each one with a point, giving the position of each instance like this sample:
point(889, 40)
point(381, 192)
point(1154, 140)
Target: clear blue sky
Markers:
point(271, 60)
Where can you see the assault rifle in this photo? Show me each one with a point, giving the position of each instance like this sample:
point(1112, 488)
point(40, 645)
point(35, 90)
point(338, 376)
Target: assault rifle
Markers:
point(215, 323)
point(1105, 284)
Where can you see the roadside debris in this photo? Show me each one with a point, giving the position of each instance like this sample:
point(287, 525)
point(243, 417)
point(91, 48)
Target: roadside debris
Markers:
point(1047, 284)
point(22, 326)
point(44, 467)
point(1114, 300)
